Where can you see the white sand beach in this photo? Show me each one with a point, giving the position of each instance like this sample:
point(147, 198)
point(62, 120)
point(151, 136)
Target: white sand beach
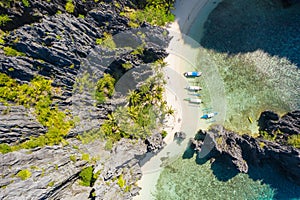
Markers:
point(182, 57)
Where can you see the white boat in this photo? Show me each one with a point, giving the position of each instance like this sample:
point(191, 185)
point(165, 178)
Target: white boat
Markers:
point(194, 88)
point(195, 101)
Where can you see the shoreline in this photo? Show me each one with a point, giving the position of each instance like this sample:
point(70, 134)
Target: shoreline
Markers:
point(182, 57)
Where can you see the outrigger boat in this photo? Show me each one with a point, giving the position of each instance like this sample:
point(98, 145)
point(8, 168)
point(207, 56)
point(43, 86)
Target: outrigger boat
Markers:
point(195, 94)
point(194, 100)
point(194, 88)
point(192, 74)
point(209, 115)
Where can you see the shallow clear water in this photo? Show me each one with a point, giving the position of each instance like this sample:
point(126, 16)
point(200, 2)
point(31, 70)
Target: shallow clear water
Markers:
point(193, 181)
point(185, 179)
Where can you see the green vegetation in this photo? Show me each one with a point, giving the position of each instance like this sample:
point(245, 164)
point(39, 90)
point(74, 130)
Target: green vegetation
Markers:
point(139, 50)
point(4, 19)
point(25, 3)
point(50, 184)
point(121, 181)
point(2, 35)
point(164, 133)
point(9, 51)
point(83, 83)
point(73, 158)
point(90, 136)
point(24, 174)
point(5, 148)
point(127, 65)
point(138, 119)
point(155, 12)
point(262, 145)
point(294, 140)
point(86, 176)
point(85, 157)
point(267, 136)
point(107, 41)
point(105, 88)
point(109, 145)
point(36, 94)
point(70, 7)
point(81, 16)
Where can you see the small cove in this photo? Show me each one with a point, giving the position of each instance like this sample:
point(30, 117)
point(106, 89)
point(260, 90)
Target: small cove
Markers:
point(256, 77)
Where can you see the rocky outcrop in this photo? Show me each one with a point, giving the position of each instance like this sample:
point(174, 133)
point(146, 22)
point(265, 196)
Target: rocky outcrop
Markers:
point(50, 168)
point(280, 127)
point(243, 150)
point(62, 47)
point(154, 143)
point(180, 135)
point(123, 164)
point(17, 124)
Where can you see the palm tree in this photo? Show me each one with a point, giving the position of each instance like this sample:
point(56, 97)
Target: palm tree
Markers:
point(169, 110)
point(133, 112)
point(144, 89)
point(148, 99)
point(133, 97)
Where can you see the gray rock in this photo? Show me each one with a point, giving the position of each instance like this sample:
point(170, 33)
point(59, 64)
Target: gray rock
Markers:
point(244, 150)
point(154, 143)
point(48, 165)
point(17, 124)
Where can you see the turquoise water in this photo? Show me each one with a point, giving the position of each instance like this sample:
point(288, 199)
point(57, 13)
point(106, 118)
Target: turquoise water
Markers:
point(185, 179)
point(256, 53)
point(193, 181)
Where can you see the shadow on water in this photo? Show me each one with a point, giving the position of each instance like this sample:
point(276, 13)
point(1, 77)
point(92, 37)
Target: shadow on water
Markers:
point(267, 173)
point(241, 26)
point(271, 175)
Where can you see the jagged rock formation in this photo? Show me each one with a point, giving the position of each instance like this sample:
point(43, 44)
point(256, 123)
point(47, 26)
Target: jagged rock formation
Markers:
point(280, 127)
point(50, 167)
point(242, 150)
point(18, 124)
point(155, 143)
point(124, 162)
point(63, 47)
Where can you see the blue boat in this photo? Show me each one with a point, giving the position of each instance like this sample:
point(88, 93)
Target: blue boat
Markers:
point(209, 115)
point(192, 74)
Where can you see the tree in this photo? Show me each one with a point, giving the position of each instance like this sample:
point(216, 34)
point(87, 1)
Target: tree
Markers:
point(134, 97)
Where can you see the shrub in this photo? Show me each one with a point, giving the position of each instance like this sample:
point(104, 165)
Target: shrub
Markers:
point(73, 158)
point(5, 148)
point(105, 88)
point(85, 157)
point(4, 19)
point(294, 140)
point(26, 3)
point(70, 6)
point(50, 184)
point(36, 94)
point(121, 181)
point(24, 174)
point(9, 51)
point(127, 65)
point(86, 176)
point(107, 41)
point(164, 133)
point(108, 145)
